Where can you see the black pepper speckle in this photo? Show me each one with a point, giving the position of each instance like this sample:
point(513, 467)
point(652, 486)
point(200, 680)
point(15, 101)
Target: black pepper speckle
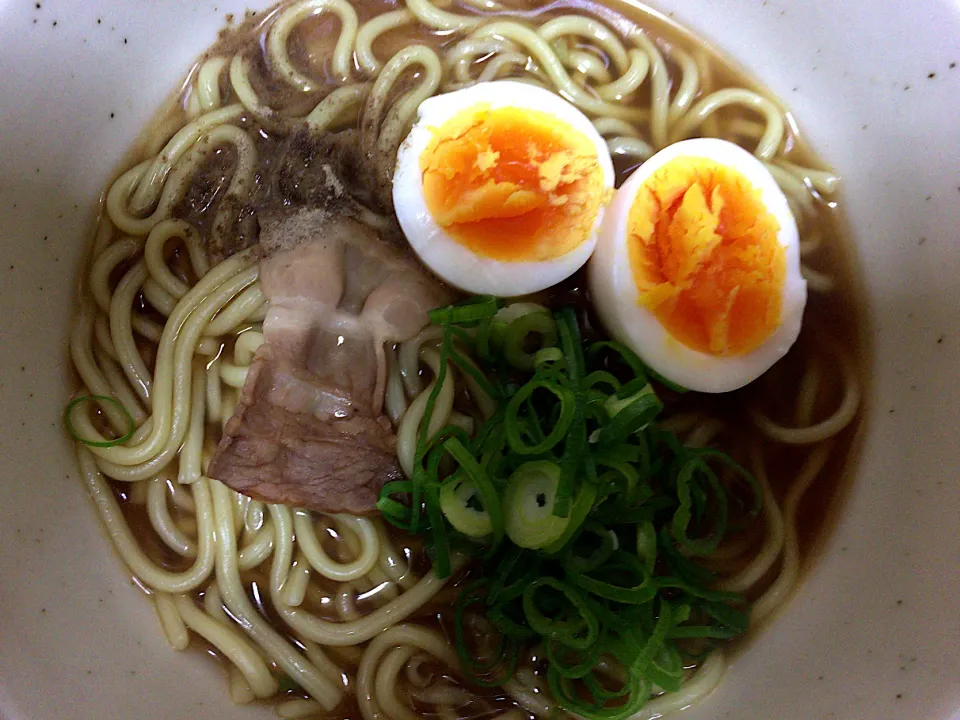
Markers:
point(921, 241)
point(99, 21)
point(906, 87)
point(931, 76)
point(124, 41)
point(899, 696)
point(38, 6)
point(111, 115)
point(941, 339)
point(54, 23)
point(863, 127)
point(928, 198)
point(899, 602)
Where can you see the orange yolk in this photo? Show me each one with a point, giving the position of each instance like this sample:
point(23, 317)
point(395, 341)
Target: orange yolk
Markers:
point(512, 184)
point(705, 256)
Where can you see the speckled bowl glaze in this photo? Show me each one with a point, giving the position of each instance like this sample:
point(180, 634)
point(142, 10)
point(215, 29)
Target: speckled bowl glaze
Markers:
point(874, 631)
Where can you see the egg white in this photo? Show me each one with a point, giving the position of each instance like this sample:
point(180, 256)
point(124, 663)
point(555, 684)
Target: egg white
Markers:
point(452, 261)
point(616, 298)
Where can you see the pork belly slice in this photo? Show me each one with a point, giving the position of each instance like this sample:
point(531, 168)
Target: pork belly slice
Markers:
point(308, 430)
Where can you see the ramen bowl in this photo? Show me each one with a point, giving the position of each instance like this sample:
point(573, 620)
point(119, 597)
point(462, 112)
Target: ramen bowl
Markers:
point(872, 631)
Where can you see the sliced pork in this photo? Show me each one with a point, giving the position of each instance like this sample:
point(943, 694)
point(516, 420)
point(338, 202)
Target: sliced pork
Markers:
point(308, 430)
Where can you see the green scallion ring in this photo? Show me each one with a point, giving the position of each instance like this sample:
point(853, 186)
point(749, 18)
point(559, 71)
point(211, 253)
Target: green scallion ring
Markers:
point(528, 502)
point(98, 443)
point(513, 423)
point(515, 337)
point(578, 633)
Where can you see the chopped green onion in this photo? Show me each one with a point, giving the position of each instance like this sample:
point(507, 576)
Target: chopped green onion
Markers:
point(571, 622)
point(576, 443)
point(637, 656)
point(756, 492)
point(547, 356)
point(636, 692)
point(625, 354)
point(481, 483)
point(601, 377)
point(515, 310)
point(686, 484)
point(569, 662)
point(628, 416)
point(609, 543)
point(528, 505)
point(508, 625)
point(516, 570)
point(578, 514)
point(517, 333)
point(647, 545)
point(462, 507)
point(438, 533)
point(392, 510)
point(472, 310)
point(587, 519)
point(644, 591)
point(515, 425)
point(666, 671)
point(76, 402)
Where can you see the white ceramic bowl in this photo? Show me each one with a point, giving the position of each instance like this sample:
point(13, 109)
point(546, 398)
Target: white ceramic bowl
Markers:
point(874, 632)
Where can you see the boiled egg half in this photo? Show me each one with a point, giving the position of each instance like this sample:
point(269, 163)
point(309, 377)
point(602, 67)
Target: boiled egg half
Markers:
point(697, 266)
point(500, 187)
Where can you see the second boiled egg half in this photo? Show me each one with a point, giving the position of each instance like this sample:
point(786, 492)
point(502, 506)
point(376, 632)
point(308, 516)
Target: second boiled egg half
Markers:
point(697, 268)
point(500, 188)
